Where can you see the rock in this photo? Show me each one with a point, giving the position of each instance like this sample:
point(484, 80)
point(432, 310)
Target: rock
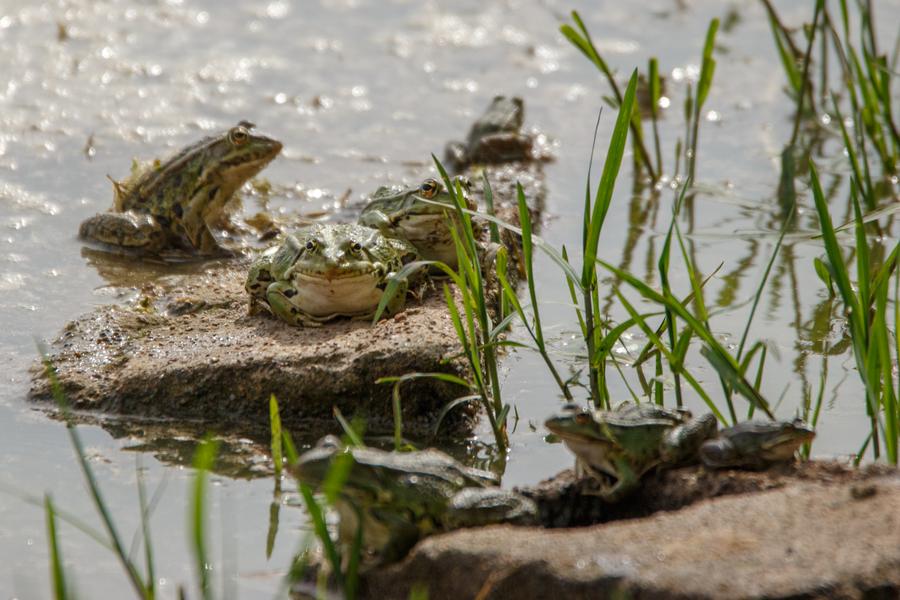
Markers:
point(217, 363)
point(825, 533)
point(562, 504)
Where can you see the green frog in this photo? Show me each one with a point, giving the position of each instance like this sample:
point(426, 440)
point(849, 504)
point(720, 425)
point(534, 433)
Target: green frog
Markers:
point(399, 497)
point(625, 443)
point(169, 205)
point(496, 137)
point(328, 270)
point(756, 444)
point(400, 212)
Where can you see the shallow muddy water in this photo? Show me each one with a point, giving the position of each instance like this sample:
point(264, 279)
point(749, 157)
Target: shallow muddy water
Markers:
point(361, 92)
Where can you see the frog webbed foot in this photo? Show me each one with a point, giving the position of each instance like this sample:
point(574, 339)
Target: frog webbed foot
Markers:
point(278, 296)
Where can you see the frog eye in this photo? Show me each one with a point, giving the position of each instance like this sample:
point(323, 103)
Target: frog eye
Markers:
point(356, 247)
point(238, 135)
point(312, 245)
point(429, 188)
point(583, 418)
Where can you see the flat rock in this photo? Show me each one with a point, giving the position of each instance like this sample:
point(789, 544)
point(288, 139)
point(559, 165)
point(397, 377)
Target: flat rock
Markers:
point(827, 536)
point(186, 348)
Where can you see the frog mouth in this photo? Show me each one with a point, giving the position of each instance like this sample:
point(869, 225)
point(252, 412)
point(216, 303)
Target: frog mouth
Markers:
point(362, 275)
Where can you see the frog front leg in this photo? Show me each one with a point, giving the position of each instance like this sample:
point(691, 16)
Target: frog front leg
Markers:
point(279, 295)
point(202, 238)
point(627, 481)
point(376, 219)
point(136, 231)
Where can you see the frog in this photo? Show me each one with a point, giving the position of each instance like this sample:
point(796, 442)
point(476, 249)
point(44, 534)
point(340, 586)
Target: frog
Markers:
point(495, 137)
point(398, 498)
point(624, 444)
point(400, 212)
point(327, 270)
point(170, 205)
point(756, 444)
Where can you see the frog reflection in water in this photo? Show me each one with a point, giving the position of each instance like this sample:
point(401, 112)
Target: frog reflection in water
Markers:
point(326, 271)
point(402, 212)
point(399, 497)
point(170, 205)
point(625, 443)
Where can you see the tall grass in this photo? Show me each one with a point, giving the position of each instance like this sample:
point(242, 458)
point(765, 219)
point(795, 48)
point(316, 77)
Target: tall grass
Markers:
point(869, 319)
point(864, 83)
point(581, 38)
point(476, 324)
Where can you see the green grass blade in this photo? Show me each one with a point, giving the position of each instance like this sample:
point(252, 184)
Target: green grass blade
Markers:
point(59, 397)
point(204, 458)
point(393, 284)
point(445, 410)
point(275, 426)
point(145, 508)
point(57, 571)
point(317, 516)
point(353, 435)
point(610, 173)
point(290, 449)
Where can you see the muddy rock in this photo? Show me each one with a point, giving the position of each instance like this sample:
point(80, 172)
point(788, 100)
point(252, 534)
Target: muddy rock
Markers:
point(562, 503)
point(817, 533)
point(194, 352)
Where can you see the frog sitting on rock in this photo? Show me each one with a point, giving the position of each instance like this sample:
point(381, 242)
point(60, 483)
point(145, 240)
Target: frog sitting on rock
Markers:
point(169, 205)
point(326, 271)
point(421, 215)
point(397, 498)
point(617, 447)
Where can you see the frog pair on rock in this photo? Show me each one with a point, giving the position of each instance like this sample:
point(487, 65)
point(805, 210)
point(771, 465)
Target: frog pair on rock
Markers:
point(616, 448)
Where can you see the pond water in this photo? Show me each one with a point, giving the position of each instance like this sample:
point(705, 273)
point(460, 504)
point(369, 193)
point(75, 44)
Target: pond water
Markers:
point(361, 92)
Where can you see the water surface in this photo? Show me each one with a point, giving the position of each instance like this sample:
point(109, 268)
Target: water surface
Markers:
point(361, 92)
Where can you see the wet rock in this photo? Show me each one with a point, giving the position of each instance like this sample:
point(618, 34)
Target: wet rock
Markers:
point(812, 532)
point(217, 363)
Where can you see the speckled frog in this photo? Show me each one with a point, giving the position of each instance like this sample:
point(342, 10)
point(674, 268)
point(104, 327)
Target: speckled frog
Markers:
point(169, 205)
point(496, 137)
point(326, 271)
point(402, 212)
point(623, 444)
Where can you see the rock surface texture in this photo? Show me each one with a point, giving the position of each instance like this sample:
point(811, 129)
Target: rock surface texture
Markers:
point(834, 538)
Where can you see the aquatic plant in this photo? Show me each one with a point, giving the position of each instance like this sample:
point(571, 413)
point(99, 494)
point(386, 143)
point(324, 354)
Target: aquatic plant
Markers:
point(477, 326)
point(581, 38)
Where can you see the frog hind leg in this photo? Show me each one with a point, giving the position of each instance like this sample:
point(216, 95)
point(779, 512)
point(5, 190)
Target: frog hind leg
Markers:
point(682, 443)
point(128, 229)
point(278, 296)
